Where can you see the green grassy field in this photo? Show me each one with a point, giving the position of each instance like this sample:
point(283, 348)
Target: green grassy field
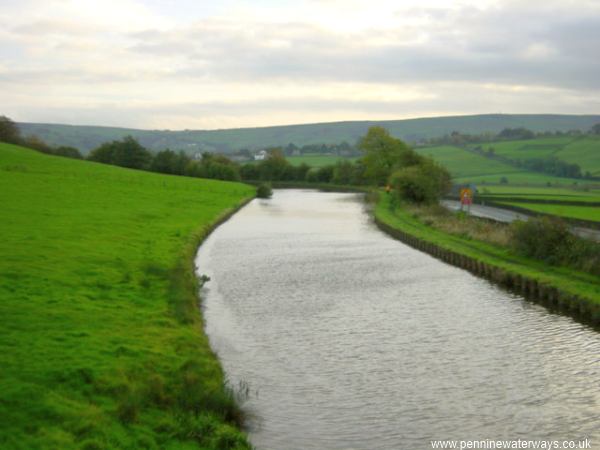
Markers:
point(317, 160)
point(568, 280)
point(529, 148)
point(101, 342)
point(525, 179)
point(576, 212)
point(581, 150)
point(585, 152)
point(542, 193)
point(464, 164)
point(468, 167)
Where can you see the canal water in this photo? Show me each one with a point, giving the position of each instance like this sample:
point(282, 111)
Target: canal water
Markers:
point(348, 339)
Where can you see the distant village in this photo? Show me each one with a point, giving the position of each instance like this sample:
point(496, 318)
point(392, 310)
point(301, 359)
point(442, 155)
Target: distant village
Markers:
point(247, 155)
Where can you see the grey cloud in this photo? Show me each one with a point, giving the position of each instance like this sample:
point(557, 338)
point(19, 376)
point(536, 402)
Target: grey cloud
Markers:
point(469, 44)
point(473, 99)
point(46, 27)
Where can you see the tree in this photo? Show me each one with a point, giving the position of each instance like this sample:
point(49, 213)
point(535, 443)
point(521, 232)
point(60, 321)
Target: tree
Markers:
point(595, 129)
point(130, 153)
point(35, 143)
point(516, 133)
point(384, 153)
point(67, 152)
point(9, 131)
point(125, 153)
point(421, 183)
point(275, 167)
point(165, 161)
point(343, 172)
point(103, 154)
point(250, 172)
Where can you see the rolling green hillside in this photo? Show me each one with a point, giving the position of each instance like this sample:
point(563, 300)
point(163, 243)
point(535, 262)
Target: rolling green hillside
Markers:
point(531, 148)
point(88, 137)
point(585, 152)
point(469, 167)
point(101, 341)
point(462, 163)
point(581, 150)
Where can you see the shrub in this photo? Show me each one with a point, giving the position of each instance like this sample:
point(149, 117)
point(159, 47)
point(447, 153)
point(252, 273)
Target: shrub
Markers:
point(264, 190)
point(543, 238)
point(423, 183)
point(68, 152)
point(9, 131)
point(125, 153)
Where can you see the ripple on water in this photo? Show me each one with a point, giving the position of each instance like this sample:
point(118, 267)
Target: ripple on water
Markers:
point(356, 341)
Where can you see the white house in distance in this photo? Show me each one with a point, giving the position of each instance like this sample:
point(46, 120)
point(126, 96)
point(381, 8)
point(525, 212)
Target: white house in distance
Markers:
point(260, 155)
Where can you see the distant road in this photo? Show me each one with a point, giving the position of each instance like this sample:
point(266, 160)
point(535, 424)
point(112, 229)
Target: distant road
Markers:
point(505, 215)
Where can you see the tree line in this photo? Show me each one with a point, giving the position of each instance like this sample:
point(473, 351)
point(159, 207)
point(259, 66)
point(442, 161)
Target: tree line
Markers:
point(10, 133)
point(507, 134)
point(550, 165)
point(385, 161)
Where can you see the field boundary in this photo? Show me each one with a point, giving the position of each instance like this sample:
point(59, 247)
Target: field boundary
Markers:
point(496, 203)
point(582, 309)
point(571, 220)
point(546, 201)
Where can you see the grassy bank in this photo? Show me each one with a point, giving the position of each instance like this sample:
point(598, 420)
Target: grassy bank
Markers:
point(574, 291)
point(101, 342)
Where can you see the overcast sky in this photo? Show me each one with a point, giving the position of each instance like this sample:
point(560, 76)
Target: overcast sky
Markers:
point(229, 63)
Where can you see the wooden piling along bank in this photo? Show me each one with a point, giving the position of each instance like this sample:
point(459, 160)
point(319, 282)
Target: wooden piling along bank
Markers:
point(583, 309)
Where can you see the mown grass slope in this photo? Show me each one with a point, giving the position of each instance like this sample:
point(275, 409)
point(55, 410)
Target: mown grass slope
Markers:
point(101, 345)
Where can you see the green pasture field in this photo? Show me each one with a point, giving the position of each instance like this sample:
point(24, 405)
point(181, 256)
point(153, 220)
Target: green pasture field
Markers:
point(526, 179)
point(462, 163)
point(585, 152)
point(542, 193)
point(529, 148)
point(581, 150)
point(576, 212)
point(468, 167)
point(101, 339)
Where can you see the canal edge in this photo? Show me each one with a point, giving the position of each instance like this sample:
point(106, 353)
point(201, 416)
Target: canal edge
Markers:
point(580, 308)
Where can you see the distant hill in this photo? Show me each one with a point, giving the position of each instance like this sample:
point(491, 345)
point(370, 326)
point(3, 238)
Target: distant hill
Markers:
point(86, 138)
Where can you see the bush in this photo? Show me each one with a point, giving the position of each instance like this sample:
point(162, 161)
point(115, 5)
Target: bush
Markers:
point(125, 153)
point(544, 238)
point(9, 131)
point(67, 152)
point(250, 172)
point(423, 183)
point(264, 190)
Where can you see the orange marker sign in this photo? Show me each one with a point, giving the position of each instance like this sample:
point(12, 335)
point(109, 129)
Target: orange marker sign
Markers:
point(466, 196)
